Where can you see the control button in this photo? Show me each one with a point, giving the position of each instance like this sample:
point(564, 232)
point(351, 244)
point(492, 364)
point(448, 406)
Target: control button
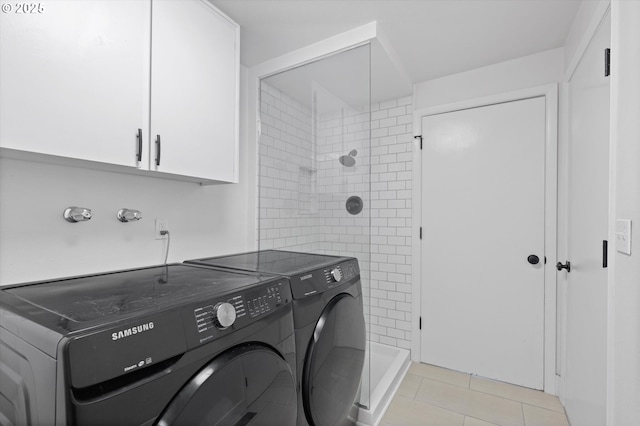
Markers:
point(336, 274)
point(224, 315)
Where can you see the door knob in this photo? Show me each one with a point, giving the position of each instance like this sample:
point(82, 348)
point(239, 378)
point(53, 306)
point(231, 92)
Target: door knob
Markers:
point(533, 259)
point(567, 266)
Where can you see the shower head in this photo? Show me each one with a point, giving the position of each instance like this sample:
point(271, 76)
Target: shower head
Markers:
point(348, 160)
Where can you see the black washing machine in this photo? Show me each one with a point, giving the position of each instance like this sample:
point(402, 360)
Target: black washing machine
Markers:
point(168, 345)
point(329, 328)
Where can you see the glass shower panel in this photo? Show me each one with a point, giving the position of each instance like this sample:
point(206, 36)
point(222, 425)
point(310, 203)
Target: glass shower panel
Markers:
point(314, 156)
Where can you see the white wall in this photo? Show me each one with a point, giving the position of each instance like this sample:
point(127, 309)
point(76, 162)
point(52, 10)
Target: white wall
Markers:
point(37, 243)
point(288, 189)
point(623, 407)
point(391, 221)
point(586, 21)
point(529, 71)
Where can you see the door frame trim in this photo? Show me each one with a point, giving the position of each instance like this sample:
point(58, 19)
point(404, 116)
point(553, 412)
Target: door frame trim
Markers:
point(550, 93)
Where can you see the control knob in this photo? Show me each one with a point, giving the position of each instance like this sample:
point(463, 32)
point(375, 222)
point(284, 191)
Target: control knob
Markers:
point(224, 315)
point(336, 274)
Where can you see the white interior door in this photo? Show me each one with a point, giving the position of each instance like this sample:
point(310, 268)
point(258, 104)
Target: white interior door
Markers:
point(483, 199)
point(584, 373)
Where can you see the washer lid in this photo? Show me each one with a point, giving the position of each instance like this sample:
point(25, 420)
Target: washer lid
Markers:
point(273, 261)
point(78, 302)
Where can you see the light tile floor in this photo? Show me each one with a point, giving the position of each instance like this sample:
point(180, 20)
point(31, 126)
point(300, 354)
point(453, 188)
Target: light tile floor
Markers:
point(434, 396)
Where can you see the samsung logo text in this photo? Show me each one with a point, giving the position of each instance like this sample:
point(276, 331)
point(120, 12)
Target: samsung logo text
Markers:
point(128, 332)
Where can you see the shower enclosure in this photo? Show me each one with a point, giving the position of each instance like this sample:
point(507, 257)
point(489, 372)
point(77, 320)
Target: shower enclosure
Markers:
point(314, 164)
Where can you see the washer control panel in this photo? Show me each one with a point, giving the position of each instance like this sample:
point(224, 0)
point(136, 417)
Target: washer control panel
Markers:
point(220, 315)
point(321, 280)
point(265, 301)
point(336, 274)
point(235, 311)
point(224, 315)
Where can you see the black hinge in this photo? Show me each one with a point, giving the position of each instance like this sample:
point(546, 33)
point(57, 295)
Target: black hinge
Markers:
point(607, 62)
point(605, 252)
point(420, 323)
point(421, 232)
point(419, 137)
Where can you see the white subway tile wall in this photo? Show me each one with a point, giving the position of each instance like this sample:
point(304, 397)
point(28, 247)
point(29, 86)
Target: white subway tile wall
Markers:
point(391, 198)
point(303, 189)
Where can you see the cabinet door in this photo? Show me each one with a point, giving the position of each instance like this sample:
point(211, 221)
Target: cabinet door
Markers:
point(194, 90)
point(73, 76)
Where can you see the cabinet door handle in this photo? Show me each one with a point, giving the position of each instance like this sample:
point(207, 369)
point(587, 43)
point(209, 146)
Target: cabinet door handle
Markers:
point(139, 153)
point(158, 145)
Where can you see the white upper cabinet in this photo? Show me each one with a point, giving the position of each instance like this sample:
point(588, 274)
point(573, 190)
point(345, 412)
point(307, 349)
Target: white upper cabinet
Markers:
point(100, 80)
point(194, 89)
point(72, 79)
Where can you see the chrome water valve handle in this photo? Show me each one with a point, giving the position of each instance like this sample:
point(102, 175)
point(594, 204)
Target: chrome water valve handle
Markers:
point(129, 215)
point(77, 214)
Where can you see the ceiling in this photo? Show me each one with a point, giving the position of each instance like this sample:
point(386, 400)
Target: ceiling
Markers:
point(431, 38)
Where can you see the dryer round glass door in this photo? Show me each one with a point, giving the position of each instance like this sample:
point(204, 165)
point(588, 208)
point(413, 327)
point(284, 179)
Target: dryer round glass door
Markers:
point(334, 361)
point(247, 384)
